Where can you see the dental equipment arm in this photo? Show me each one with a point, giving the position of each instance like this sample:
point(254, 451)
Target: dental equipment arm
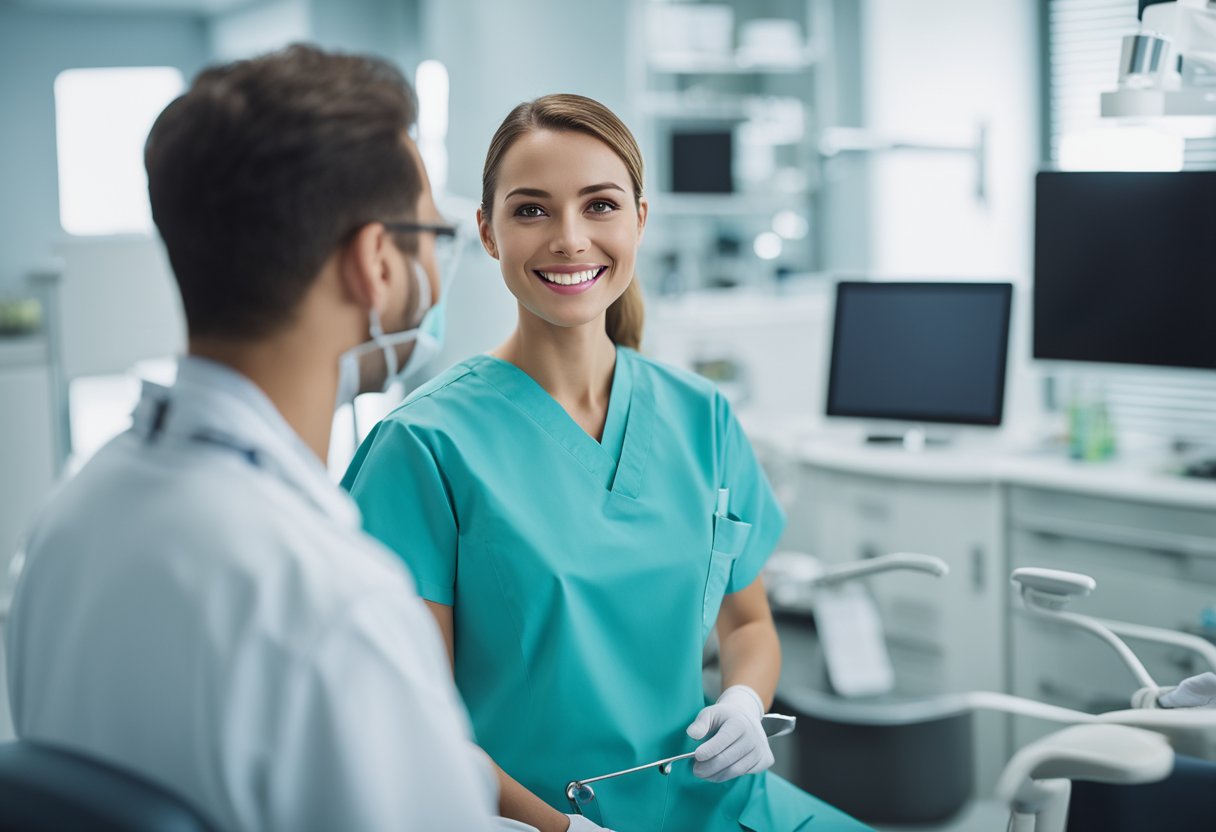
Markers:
point(840, 573)
point(1159, 635)
point(791, 576)
point(1045, 592)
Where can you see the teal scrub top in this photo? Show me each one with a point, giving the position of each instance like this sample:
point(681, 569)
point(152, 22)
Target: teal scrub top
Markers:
point(584, 577)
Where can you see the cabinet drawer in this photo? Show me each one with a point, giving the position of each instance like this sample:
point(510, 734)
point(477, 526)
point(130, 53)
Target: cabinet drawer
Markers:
point(1132, 580)
point(1150, 526)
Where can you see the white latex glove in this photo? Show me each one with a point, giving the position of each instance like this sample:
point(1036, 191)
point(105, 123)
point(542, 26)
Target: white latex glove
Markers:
point(1195, 692)
point(510, 825)
point(578, 823)
point(738, 745)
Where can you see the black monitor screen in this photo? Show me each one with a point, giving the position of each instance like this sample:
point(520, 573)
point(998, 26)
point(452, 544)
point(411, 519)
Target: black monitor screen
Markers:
point(1125, 268)
point(920, 352)
point(701, 162)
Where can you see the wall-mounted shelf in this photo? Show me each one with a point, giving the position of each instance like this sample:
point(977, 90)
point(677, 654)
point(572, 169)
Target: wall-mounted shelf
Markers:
point(834, 141)
point(706, 107)
point(693, 63)
point(725, 205)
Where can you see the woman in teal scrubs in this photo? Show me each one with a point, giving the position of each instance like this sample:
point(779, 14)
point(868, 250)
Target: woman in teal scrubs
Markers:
point(579, 517)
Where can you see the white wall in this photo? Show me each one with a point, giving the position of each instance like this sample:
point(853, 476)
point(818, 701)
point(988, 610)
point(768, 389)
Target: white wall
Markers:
point(939, 68)
point(252, 30)
point(935, 69)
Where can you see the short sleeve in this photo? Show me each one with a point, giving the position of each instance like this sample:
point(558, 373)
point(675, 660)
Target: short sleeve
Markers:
point(397, 484)
point(751, 498)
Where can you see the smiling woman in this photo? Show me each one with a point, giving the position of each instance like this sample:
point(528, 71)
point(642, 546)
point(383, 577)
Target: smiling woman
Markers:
point(563, 499)
point(549, 139)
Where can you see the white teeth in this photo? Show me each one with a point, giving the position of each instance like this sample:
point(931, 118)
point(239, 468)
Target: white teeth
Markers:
point(571, 278)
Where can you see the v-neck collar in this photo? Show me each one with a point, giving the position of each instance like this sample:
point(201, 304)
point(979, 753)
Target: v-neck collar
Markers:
point(627, 425)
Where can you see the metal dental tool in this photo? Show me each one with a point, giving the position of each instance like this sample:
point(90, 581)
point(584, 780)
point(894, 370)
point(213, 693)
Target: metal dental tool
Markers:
point(581, 794)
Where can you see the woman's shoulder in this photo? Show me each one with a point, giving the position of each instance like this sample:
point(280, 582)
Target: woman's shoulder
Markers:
point(439, 401)
point(672, 380)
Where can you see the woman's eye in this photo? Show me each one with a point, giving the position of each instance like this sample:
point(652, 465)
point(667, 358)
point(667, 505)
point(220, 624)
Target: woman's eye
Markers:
point(601, 206)
point(529, 211)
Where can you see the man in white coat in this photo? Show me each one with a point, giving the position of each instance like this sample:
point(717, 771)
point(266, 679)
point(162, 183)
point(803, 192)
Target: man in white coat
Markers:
point(199, 606)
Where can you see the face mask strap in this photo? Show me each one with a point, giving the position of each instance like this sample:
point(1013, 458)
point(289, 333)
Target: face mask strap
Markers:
point(422, 282)
point(377, 333)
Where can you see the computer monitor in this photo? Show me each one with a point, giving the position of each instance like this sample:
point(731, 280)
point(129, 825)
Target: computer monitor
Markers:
point(701, 161)
point(1125, 268)
point(920, 352)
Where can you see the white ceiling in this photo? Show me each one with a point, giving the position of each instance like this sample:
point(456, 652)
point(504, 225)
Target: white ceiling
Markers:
point(101, 6)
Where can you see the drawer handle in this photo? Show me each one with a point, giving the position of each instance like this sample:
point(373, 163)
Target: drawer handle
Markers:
point(1172, 545)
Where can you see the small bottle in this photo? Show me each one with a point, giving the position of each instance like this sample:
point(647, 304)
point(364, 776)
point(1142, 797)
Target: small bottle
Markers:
point(1078, 421)
point(1102, 440)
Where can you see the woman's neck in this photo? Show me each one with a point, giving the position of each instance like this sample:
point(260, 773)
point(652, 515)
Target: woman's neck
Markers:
point(573, 364)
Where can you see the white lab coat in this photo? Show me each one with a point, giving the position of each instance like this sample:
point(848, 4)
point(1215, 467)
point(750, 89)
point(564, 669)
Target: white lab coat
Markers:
point(200, 607)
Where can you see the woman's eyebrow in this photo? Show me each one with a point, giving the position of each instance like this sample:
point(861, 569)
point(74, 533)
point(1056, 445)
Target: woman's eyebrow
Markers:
point(603, 186)
point(527, 192)
point(590, 189)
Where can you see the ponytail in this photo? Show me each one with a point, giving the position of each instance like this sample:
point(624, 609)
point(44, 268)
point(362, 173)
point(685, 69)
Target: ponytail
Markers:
point(625, 317)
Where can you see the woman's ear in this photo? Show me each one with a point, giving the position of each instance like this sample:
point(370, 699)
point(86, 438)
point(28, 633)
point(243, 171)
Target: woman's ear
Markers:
point(365, 267)
point(643, 211)
point(487, 235)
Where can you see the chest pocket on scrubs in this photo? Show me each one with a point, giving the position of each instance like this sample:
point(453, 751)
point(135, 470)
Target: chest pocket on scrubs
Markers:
point(730, 536)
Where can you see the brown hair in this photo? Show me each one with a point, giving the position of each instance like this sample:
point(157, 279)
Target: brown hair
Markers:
point(264, 167)
point(582, 115)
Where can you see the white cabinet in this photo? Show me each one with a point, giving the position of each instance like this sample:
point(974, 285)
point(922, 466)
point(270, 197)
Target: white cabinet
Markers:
point(944, 635)
point(27, 451)
point(27, 461)
point(1154, 564)
point(956, 623)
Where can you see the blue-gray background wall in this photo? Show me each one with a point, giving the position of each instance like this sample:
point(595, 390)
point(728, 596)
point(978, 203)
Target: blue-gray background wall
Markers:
point(35, 47)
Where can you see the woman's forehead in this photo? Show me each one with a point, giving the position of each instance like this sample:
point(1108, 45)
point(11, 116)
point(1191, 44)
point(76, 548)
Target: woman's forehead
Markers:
point(560, 161)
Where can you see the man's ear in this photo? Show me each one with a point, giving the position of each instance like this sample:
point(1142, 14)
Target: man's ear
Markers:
point(365, 270)
point(486, 234)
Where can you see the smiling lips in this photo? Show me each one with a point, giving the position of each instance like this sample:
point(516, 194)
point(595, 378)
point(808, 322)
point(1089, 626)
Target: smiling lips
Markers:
point(570, 280)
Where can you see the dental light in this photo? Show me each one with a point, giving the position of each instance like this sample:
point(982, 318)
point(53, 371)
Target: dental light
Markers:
point(1168, 68)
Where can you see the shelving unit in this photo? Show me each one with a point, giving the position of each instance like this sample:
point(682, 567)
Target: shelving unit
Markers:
point(741, 206)
point(677, 63)
point(719, 68)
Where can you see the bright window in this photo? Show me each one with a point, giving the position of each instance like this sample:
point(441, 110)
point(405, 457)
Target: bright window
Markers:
point(102, 118)
point(431, 81)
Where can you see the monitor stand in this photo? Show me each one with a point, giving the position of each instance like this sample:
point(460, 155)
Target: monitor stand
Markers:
point(913, 439)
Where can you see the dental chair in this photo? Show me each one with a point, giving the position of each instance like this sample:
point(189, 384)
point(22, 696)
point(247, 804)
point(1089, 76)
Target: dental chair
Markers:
point(1137, 769)
point(1136, 794)
point(46, 790)
point(1186, 799)
point(1037, 782)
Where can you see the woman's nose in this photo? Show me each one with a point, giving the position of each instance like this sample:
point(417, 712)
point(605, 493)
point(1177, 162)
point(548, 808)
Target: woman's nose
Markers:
point(570, 238)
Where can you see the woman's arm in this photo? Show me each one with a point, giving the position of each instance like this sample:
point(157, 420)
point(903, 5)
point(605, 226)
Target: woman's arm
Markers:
point(749, 650)
point(514, 801)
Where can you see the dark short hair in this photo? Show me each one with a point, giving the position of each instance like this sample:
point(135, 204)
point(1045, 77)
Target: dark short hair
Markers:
point(264, 167)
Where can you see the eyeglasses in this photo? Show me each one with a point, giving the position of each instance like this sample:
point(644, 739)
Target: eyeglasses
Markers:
point(445, 236)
